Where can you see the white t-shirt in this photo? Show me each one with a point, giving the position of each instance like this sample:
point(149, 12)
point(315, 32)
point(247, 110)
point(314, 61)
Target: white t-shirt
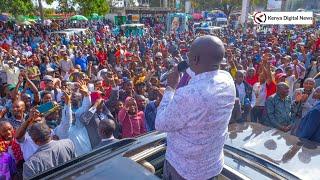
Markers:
point(290, 81)
point(242, 92)
point(28, 147)
point(261, 93)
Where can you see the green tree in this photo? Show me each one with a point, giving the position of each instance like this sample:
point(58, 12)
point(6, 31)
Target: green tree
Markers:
point(87, 7)
point(17, 7)
point(48, 12)
point(66, 6)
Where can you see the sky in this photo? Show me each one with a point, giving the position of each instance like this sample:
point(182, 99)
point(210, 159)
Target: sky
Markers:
point(45, 5)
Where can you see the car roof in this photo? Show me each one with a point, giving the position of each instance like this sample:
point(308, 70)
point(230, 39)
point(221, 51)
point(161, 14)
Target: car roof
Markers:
point(297, 156)
point(106, 162)
point(116, 168)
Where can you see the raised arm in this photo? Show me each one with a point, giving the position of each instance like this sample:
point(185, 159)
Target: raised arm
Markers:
point(16, 94)
point(296, 74)
point(114, 97)
point(86, 102)
point(63, 128)
point(21, 131)
point(317, 76)
point(87, 115)
point(90, 69)
point(34, 90)
point(3, 65)
point(267, 72)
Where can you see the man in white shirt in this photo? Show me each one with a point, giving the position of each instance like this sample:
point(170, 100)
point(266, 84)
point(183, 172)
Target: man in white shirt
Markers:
point(245, 94)
point(11, 71)
point(196, 116)
point(291, 79)
point(65, 64)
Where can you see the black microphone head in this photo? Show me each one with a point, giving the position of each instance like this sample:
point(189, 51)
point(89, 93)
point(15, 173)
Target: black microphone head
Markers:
point(183, 66)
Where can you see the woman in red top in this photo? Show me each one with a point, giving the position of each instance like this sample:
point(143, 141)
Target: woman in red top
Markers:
point(130, 119)
point(252, 77)
point(102, 57)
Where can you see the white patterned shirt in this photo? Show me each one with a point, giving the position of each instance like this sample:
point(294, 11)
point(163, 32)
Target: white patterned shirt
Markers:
point(12, 73)
point(196, 119)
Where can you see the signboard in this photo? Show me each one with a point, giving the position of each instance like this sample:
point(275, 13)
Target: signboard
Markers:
point(119, 20)
point(117, 3)
point(135, 18)
point(188, 6)
point(178, 4)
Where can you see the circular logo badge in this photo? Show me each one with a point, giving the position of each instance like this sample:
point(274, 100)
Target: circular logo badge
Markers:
point(259, 17)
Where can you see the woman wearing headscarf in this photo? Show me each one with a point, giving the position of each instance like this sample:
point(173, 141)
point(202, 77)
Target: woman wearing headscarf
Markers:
point(130, 119)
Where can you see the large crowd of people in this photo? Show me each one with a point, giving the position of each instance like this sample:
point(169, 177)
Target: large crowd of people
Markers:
point(62, 97)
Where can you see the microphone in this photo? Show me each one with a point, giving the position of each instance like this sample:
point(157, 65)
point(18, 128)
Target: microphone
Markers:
point(182, 67)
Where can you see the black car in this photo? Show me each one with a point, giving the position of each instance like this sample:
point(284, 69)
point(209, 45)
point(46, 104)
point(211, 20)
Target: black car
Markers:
point(252, 151)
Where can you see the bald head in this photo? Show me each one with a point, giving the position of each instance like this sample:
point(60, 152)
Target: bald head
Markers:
point(282, 85)
point(18, 108)
point(6, 130)
point(106, 128)
point(282, 89)
point(206, 54)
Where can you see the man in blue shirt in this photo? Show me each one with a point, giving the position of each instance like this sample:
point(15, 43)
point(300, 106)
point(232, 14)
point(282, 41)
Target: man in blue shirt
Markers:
point(82, 61)
point(309, 127)
point(150, 111)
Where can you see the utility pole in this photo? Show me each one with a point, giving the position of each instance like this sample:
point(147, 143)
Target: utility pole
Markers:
point(187, 6)
point(283, 5)
point(244, 12)
point(41, 11)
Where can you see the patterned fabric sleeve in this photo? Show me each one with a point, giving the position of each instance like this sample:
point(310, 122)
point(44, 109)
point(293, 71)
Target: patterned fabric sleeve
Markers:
point(173, 107)
point(62, 130)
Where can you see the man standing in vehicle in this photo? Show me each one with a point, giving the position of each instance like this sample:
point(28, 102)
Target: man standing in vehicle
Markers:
point(196, 116)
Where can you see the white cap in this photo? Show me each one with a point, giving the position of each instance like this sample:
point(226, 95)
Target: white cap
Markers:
point(159, 54)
